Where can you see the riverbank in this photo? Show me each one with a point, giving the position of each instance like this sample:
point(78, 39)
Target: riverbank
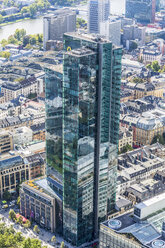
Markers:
point(20, 20)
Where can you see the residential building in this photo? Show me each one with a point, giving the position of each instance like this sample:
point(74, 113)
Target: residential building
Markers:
point(111, 29)
point(149, 89)
point(2, 98)
point(6, 142)
point(148, 55)
point(139, 164)
point(143, 11)
point(38, 131)
point(143, 228)
point(58, 23)
point(98, 11)
point(125, 138)
point(15, 168)
point(12, 90)
point(149, 125)
point(40, 203)
point(144, 190)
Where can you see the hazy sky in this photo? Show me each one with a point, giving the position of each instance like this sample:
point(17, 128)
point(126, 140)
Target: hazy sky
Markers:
point(117, 6)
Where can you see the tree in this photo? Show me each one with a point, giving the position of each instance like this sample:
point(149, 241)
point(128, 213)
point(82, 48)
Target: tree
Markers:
point(26, 40)
point(155, 66)
point(133, 45)
point(1, 18)
point(12, 40)
point(12, 215)
point(4, 42)
point(36, 229)
point(53, 239)
point(158, 138)
point(3, 12)
point(6, 195)
point(24, 10)
point(32, 10)
point(5, 54)
point(18, 199)
point(138, 80)
point(27, 224)
point(33, 40)
point(62, 244)
point(126, 149)
point(20, 220)
point(19, 34)
point(149, 67)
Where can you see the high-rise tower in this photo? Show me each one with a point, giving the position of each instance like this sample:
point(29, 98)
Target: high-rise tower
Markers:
point(91, 104)
point(98, 11)
point(143, 11)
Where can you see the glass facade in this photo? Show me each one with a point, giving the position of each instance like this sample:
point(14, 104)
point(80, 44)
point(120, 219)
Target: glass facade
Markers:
point(92, 73)
point(143, 11)
point(53, 91)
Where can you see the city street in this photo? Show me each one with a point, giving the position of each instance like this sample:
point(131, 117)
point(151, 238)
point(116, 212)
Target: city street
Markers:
point(44, 235)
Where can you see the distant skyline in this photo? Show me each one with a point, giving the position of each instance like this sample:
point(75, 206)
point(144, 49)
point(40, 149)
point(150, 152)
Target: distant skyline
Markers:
point(117, 6)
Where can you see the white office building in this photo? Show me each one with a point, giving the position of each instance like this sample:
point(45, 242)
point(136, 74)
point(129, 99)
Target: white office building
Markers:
point(98, 11)
point(111, 29)
point(58, 23)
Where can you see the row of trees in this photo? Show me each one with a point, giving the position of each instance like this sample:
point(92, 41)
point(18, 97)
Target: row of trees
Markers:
point(20, 38)
point(38, 5)
point(12, 216)
point(19, 220)
point(11, 239)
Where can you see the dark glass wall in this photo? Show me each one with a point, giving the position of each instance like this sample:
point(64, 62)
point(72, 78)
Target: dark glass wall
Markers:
point(79, 123)
point(140, 10)
point(53, 91)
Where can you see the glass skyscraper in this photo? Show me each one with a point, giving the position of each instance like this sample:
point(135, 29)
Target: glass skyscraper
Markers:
point(142, 10)
point(91, 103)
point(53, 92)
point(82, 123)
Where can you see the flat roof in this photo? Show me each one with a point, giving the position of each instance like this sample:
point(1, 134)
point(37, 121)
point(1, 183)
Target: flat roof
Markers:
point(151, 201)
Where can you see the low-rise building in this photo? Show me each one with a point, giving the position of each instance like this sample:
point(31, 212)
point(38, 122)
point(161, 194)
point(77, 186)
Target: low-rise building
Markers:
point(16, 168)
point(2, 98)
point(6, 142)
point(12, 90)
point(148, 55)
point(40, 203)
point(125, 138)
point(143, 228)
point(38, 131)
point(139, 164)
point(22, 136)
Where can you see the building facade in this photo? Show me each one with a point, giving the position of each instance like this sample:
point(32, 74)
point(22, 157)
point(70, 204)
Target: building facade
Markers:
point(111, 29)
point(98, 11)
point(90, 89)
point(143, 11)
point(40, 203)
point(16, 169)
point(55, 25)
point(6, 142)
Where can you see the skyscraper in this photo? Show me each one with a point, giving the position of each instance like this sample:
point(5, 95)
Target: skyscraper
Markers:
point(82, 123)
point(56, 24)
point(91, 104)
point(143, 11)
point(98, 11)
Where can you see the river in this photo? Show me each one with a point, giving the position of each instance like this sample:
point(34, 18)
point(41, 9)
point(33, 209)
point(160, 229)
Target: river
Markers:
point(35, 26)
